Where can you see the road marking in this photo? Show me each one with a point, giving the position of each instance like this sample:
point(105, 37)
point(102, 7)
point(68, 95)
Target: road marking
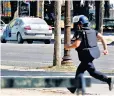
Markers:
point(49, 76)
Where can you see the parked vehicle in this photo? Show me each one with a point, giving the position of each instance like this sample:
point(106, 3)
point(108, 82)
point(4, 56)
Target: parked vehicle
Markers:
point(108, 22)
point(27, 29)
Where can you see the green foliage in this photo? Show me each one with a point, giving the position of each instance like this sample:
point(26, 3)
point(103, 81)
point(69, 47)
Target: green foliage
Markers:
point(93, 26)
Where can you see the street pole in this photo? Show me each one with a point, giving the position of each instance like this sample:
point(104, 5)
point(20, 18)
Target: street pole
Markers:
point(67, 34)
point(57, 34)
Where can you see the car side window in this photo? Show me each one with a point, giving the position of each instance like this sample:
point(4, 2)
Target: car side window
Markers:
point(20, 22)
point(12, 23)
point(17, 22)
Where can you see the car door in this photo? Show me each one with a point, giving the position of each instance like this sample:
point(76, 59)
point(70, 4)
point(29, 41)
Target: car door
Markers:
point(9, 30)
point(7, 33)
point(15, 29)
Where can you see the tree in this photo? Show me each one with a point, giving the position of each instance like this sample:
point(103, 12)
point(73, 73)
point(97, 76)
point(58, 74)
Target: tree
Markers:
point(57, 35)
point(79, 9)
point(86, 9)
point(99, 15)
point(76, 8)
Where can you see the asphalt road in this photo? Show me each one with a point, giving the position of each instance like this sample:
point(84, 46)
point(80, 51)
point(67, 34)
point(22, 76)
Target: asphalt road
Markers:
point(38, 55)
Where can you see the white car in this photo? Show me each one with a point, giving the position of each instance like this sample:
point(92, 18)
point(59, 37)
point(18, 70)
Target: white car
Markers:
point(27, 29)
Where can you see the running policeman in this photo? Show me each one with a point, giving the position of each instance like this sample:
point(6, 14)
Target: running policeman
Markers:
point(85, 43)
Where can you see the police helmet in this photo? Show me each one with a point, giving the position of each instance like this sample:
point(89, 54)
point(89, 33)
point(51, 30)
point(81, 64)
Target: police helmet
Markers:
point(80, 19)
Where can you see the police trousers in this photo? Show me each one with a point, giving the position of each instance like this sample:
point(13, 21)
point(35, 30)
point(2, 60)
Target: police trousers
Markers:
point(89, 66)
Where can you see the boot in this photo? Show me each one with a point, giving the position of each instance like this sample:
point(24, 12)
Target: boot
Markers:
point(110, 83)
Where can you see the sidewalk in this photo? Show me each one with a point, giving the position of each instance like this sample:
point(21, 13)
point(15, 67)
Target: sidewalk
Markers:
point(109, 38)
point(95, 90)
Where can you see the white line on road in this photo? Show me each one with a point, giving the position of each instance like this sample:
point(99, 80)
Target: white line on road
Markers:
point(49, 76)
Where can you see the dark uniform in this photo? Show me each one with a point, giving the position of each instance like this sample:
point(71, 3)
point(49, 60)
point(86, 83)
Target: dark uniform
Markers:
point(87, 52)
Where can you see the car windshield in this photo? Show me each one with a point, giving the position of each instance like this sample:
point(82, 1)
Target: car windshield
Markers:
point(34, 21)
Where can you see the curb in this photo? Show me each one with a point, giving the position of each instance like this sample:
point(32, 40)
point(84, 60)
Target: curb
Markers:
point(42, 82)
point(18, 68)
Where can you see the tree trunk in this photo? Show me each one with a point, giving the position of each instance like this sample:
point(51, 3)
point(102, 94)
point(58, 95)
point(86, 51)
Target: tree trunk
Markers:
point(57, 35)
point(107, 9)
point(99, 15)
point(86, 9)
point(79, 9)
point(76, 8)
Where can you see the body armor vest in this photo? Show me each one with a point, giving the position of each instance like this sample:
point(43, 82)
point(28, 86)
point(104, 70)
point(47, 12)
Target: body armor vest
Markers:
point(90, 40)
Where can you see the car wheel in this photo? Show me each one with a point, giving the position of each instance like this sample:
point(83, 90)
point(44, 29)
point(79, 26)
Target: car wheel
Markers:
point(3, 40)
point(19, 38)
point(29, 41)
point(47, 41)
